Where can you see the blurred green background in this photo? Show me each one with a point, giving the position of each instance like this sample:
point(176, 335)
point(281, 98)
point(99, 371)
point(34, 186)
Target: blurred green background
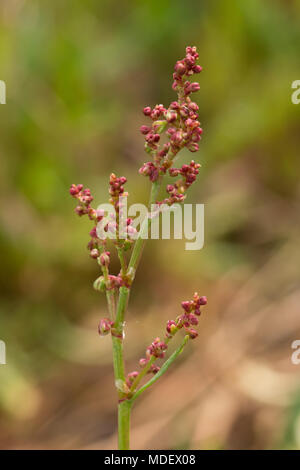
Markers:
point(78, 75)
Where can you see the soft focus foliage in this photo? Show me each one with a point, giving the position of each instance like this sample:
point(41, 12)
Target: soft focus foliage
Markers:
point(78, 75)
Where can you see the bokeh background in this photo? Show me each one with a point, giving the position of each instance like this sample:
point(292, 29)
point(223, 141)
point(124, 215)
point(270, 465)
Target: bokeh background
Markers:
point(78, 75)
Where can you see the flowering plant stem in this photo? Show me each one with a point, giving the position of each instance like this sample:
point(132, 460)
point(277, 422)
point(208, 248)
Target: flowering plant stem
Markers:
point(182, 130)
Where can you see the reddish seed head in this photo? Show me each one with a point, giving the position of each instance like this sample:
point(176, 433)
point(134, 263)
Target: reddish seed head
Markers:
point(143, 362)
point(80, 210)
point(190, 60)
point(194, 87)
point(174, 105)
point(177, 137)
point(174, 171)
point(193, 319)
point(94, 253)
point(145, 129)
point(171, 327)
point(192, 333)
point(147, 111)
point(170, 188)
point(180, 68)
point(73, 190)
point(197, 69)
point(193, 106)
point(187, 306)
point(154, 369)
point(171, 116)
point(193, 147)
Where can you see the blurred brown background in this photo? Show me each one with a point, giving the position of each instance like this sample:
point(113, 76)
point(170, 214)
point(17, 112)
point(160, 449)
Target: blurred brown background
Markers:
point(78, 75)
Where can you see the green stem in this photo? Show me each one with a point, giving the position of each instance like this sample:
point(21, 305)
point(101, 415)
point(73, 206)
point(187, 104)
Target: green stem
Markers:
point(110, 297)
point(124, 409)
point(163, 369)
point(140, 241)
point(122, 259)
point(117, 340)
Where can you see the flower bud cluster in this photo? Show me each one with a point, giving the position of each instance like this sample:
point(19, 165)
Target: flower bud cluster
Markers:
point(117, 193)
point(187, 321)
point(84, 199)
point(157, 349)
point(179, 121)
point(116, 189)
point(177, 191)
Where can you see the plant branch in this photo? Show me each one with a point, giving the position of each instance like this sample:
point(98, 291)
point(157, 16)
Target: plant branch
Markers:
point(117, 340)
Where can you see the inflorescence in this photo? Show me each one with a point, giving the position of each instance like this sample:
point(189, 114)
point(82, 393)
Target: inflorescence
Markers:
point(186, 321)
point(179, 126)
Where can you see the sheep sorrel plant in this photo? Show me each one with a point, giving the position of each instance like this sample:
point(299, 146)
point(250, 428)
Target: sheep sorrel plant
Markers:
point(181, 128)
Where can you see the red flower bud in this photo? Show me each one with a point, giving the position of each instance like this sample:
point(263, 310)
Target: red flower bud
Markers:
point(104, 326)
point(145, 129)
point(143, 362)
point(171, 327)
point(197, 68)
point(187, 306)
point(174, 105)
point(73, 190)
point(147, 111)
point(94, 253)
point(193, 147)
point(171, 116)
point(180, 68)
point(105, 258)
point(192, 333)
